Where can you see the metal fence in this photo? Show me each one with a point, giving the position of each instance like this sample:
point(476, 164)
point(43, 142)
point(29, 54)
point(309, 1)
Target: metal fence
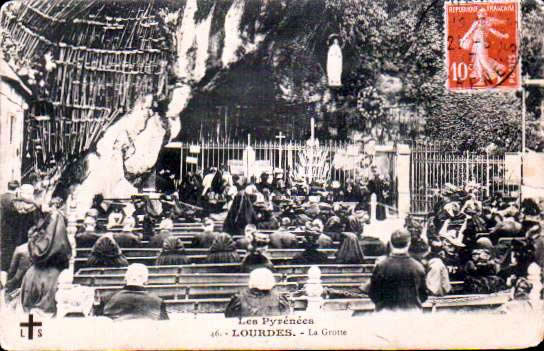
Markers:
point(431, 168)
point(194, 156)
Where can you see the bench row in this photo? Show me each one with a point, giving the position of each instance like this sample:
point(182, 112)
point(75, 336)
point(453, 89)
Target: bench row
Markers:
point(213, 278)
point(146, 252)
point(195, 291)
point(357, 305)
point(231, 268)
point(226, 290)
point(214, 281)
point(149, 256)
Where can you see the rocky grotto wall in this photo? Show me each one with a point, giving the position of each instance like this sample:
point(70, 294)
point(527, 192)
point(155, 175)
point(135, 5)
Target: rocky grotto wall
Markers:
point(128, 150)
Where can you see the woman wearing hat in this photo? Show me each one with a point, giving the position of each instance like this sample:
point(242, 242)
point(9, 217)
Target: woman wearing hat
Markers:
point(50, 252)
point(437, 277)
point(452, 250)
point(172, 253)
point(116, 217)
point(335, 188)
point(106, 253)
point(482, 271)
point(241, 212)
point(334, 225)
point(265, 218)
point(350, 252)
point(516, 261)
point(324, 241)
point(256, 257)
point(158, 239)
point(205, 238)
point(223, 250)
point(128, 237)
point(310, 255)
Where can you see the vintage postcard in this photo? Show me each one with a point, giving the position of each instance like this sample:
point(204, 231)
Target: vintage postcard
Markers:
point(271, 174)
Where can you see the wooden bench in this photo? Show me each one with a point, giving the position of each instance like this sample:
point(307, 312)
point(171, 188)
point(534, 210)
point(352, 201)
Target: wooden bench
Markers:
point(332, 278)
point(234, 268)
point(80, 262)
point(213, 290)
point(200, 268)
point(205, 278)
point(150, 260)
point(194, 291)
point(168, 275)
point(107, 279)
point(326, 268)
point(146, 252)
point(278, 256)
point(169, 278)
point(358, 306)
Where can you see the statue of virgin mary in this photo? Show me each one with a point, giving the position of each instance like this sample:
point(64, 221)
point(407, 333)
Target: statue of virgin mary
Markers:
point(334, 62)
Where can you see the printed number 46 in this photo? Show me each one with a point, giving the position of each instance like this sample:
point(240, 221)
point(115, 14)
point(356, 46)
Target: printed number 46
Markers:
point(460, 71)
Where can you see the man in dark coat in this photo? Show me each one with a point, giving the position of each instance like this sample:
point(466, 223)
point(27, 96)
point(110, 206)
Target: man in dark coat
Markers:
point(377, 186)
point(26, 214)
point(398, 281)
point(99, 205)
point(283, 239)
point(133, 302)
point(88, 236)
point(6, 211)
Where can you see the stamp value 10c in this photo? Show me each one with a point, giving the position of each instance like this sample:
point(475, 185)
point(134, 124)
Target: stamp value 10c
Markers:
point(482, 45)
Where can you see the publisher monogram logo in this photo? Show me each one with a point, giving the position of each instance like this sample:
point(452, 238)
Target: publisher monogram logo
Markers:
point(30, 325)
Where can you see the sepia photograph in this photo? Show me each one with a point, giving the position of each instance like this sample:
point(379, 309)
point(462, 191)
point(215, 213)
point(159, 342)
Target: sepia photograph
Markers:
point(271, 174)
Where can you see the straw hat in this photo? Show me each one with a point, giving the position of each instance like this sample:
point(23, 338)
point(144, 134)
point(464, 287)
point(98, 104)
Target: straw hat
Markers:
point(26, 192)
point(451, 237)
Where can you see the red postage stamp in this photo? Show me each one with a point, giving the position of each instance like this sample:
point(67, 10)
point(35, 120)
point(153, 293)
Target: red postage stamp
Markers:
point(482, 45)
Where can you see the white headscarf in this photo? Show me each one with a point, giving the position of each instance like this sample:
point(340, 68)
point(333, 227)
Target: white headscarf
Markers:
point(262, 279)
point(137, 274)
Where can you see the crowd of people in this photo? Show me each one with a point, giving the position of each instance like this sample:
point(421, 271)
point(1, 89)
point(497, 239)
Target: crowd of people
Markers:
point(215, 188)
point(307, 217)
point(34, 246)
point(488, 245)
